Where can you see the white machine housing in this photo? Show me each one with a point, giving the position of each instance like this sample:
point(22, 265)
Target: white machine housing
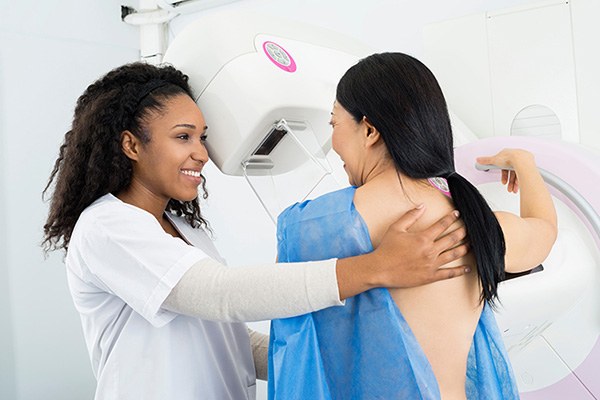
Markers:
point(250, 72)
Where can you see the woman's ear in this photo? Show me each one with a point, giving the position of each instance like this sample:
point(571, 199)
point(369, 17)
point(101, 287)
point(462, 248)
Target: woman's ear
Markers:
point(130, 145)
point(372, 135)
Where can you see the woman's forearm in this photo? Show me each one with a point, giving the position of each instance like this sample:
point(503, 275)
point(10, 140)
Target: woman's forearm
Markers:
point(212, 291)
point(535, 200)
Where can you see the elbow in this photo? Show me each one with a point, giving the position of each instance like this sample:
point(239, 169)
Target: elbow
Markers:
point(552, 232)
point(553, 226)
point(546, 233)
point(534, 250)
point(547, 240)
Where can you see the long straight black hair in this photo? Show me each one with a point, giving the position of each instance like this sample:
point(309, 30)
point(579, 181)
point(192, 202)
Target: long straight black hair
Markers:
point(402, 99)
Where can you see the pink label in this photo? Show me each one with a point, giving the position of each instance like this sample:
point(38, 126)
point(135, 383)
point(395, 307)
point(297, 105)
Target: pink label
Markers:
point(279, 56)
point(441, 184)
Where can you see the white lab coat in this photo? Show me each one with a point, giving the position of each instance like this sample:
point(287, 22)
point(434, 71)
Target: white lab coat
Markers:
point(121, 266)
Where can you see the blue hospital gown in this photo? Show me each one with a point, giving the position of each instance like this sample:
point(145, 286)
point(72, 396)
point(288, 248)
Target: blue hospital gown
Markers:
point(365, 349)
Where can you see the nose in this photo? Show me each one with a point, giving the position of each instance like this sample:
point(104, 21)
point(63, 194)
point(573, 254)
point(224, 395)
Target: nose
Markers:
point(200, 153)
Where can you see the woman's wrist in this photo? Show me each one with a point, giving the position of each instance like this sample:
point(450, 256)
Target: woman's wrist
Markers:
point(375, 272)
point(358, 274)
point(522, 160)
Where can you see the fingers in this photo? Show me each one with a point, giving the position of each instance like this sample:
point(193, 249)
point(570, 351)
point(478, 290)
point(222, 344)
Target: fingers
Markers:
point(435, 230)
point(452, 254)
point(409, 218)
point(513, 180)
point(510, 179)
point(450, 240)
point(513, 183)
point(502, 160)
point(497, 159)
point(484, 160)
point(449, 273)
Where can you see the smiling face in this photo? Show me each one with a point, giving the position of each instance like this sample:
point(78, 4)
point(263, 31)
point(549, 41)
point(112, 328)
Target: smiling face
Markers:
point(348, 142)
point(169, 165)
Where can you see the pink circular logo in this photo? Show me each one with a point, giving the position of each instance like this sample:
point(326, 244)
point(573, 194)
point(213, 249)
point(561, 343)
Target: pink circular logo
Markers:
point(279, 56)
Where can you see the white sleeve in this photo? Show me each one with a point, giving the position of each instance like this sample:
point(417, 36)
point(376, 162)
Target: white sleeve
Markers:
point(130, 256)
point(212, 291)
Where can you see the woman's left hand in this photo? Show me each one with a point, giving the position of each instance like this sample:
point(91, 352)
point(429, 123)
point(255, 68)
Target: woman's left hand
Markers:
point(509, 158)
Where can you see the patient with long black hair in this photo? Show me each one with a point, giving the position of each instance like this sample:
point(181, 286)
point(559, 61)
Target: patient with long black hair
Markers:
point(392, 130)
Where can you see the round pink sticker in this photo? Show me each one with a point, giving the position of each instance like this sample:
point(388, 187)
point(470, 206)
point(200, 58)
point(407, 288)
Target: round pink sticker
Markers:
point(279, 56)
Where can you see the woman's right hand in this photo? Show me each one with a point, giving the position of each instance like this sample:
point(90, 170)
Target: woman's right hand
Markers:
point(406, 259)
point(417, 257)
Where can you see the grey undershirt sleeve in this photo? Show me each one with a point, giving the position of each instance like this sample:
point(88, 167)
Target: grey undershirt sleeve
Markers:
point(260, 351)
point(213, 291)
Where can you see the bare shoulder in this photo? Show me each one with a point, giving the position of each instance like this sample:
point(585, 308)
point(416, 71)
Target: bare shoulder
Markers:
point(382, 205)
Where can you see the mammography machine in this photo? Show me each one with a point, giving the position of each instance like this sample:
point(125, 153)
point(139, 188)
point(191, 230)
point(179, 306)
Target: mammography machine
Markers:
point(267, 87)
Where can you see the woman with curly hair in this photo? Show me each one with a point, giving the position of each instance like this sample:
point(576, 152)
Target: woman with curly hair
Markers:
point(161, 314)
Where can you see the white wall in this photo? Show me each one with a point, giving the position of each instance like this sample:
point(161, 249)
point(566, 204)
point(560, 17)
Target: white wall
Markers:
point(49, 52)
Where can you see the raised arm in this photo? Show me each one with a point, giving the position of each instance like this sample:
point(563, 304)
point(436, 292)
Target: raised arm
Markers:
point(529, 236)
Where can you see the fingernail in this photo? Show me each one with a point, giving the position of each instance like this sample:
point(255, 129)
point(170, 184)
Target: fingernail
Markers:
point(420, 206)
point(456, 213)
point(467, 270)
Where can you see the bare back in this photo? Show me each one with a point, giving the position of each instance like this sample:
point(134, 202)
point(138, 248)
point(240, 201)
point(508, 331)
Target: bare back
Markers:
point(442, 315)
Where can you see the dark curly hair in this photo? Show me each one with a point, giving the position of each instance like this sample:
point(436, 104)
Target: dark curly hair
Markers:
point(91, 162)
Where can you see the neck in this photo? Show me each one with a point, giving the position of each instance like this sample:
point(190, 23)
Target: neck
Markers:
point(386, 176)
point(381, 169)
point(140, 196)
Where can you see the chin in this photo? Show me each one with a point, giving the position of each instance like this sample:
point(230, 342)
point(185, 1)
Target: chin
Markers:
point(185, 198)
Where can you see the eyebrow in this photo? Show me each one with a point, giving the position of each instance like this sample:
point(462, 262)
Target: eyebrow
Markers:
point(190, 126)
